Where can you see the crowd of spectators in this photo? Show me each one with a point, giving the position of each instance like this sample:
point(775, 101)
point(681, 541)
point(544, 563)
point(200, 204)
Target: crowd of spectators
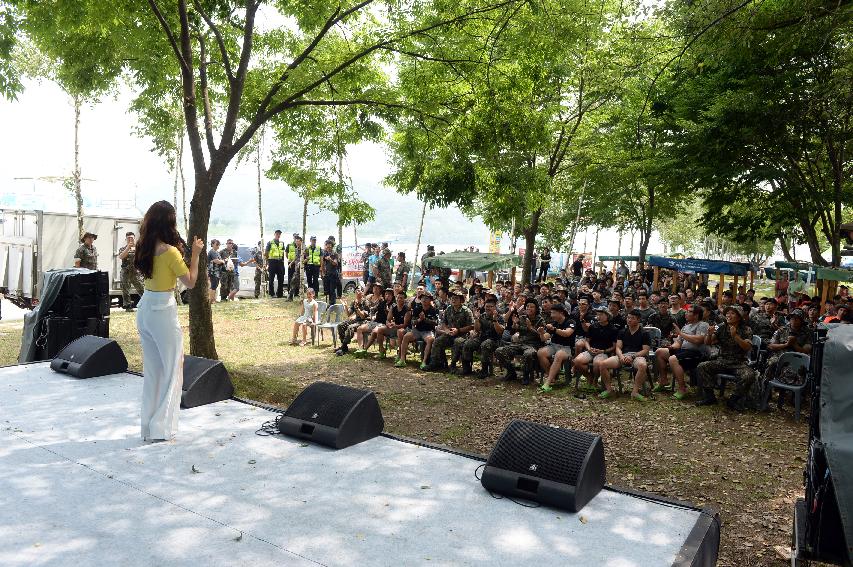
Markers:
point(590, 325)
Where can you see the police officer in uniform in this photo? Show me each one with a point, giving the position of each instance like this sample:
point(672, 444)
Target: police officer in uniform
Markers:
point(86, 255)
point(129, 274)
point(275, 264)
point(313, 259)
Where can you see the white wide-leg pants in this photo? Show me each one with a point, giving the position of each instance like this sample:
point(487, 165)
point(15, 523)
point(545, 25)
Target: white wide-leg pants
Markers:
point(162, 363)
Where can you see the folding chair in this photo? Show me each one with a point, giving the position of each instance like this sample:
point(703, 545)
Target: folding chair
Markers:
point(333, 317)
point(322, 306)
point(797, 362)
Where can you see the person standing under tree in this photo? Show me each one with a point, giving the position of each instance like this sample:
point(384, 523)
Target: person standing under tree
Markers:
point(258, 260)
point(544, 264)
point(313, 258)
point(275, 265)
point(129, 275)
point(86, 255)
point(161, 263)
point(330, 271)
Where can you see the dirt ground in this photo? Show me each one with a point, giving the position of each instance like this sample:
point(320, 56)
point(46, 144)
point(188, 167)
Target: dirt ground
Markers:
point(747, 466)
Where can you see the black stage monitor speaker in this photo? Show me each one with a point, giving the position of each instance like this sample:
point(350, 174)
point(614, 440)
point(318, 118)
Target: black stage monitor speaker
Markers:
point(557, 467)
point(333, 415)
point(205, 382)
point(89, 356)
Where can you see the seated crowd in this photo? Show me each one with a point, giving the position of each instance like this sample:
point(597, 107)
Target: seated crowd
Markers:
point(591, 326)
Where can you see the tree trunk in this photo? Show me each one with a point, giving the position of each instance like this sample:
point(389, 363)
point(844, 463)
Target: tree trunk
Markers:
point(417, 258)
point(304, 216)
point(183, 186)
point(202, 343)
point(595, 251)
point(529, 244)
point(645, 236)
point(260, 195)
point(783, 245)
point(76, 176)
point(813, 243)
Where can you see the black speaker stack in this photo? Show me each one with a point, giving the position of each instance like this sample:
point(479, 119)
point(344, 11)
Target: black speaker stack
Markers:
point(81, 308)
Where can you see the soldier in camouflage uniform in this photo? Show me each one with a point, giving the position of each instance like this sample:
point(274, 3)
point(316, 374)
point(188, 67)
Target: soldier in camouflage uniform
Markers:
point(456, 324)
point(526, 341)
point(662, 319)
point(359, 311)
point(383, 269)
point(735, 341)
point(86, 255)
point(129, 274)
point(401, 270)
point(796, 336)
point(766, 322)
point(488, 328)
point(258, 260)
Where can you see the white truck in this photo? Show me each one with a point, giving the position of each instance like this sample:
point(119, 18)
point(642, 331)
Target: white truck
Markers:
point(32, 242)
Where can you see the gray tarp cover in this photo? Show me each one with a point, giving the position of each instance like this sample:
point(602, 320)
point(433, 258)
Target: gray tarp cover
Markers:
point(836, 419)
point(32, 321)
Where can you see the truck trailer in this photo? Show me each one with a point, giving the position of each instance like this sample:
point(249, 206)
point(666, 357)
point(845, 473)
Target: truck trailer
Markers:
point(33, 242)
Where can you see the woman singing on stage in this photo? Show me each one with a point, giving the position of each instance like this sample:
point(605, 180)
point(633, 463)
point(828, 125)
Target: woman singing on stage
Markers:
point(160, 260)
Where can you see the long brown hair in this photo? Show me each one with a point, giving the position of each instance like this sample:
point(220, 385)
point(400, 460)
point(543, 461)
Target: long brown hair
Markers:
point(159, 224)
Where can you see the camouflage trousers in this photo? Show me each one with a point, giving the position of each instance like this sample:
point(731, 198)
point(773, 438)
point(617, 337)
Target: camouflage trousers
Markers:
point(346, 331)
point(506, 353)
point(226, 283)
point(709, 369)
point(486, 347)
point(258, 275)
point(130, 279)
point(442, 342)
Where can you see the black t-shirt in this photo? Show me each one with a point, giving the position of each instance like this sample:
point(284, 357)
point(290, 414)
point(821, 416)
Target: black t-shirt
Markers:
point(577, 268)
point(618, 322)
point(381, 312)
point(602, 337)
point(568, 323)
point(576, 317)
point(399, 315)
point(430, 320)
point(634, 342)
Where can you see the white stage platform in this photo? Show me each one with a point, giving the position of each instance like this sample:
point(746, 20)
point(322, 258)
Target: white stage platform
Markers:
point(78, 487)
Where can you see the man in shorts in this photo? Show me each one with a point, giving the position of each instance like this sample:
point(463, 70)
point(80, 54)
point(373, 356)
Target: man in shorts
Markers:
point(561, 348)
point(686, 352)
point(423, 318)
point(599, 344)
point(632, 348)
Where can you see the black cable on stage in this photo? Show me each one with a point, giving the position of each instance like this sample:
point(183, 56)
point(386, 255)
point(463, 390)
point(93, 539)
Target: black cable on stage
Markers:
point(500, 497)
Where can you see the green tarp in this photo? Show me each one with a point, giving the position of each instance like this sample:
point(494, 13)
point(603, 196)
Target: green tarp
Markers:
point(834, 274)
point(473, 261)
point(793, 265)
point(617, 258)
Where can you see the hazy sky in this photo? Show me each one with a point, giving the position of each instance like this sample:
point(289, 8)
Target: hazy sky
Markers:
point(38, 142)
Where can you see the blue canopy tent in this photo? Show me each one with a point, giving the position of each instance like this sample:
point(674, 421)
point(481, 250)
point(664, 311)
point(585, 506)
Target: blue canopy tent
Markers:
point(700, 266)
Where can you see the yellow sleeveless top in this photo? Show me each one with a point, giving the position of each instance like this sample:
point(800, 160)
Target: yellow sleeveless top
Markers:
point(168, 267)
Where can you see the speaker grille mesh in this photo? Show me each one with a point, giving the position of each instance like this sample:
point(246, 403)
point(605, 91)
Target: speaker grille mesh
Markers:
point(541, 451)
point(325, 403)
